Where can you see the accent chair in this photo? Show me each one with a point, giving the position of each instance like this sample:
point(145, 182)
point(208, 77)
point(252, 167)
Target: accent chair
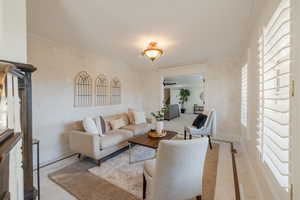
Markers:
point(177, 172)
point(209, 128)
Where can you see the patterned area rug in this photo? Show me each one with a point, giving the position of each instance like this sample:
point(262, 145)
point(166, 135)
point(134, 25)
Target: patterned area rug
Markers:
point(83, 185)
point(127, 176)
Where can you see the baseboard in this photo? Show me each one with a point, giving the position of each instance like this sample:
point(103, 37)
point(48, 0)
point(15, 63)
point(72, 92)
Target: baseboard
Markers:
point(57, 159)
point(252, 171)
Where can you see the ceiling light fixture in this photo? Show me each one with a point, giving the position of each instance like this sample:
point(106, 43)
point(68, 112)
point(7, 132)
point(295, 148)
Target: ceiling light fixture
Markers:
point(152, 51)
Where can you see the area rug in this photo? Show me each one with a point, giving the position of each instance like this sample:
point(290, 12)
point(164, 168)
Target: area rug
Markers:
point(83, 185)
point(117, 179)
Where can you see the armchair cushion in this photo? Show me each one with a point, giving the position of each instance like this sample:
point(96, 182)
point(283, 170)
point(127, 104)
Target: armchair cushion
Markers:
point(149, 167)
point(196, 131)
point(114, 137)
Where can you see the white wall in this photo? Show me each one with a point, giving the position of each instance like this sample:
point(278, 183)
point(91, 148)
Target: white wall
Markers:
point(174, 97)
point(194, 98)
point(222, 92)
point(53, 86)
point(13, 30)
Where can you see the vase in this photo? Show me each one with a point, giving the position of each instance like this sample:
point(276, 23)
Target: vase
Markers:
point(159, 127)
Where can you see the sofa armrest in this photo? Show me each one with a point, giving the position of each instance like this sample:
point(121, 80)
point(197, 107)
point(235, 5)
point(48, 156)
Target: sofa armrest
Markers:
point(85, 143)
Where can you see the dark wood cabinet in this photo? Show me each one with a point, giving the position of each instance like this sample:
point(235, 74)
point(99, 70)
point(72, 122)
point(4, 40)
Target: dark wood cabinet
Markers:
point(23, 72)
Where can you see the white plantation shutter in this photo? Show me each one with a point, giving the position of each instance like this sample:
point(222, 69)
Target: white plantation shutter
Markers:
point(274, 96)
point(244, 94)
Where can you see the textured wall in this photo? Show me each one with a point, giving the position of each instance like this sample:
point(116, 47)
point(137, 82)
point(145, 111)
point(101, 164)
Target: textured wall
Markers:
point(53, 89)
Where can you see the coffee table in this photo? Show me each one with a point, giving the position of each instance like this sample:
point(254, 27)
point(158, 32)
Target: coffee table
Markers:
point(146, 141)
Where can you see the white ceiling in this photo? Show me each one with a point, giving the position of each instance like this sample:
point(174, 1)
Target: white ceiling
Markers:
point(189, 31)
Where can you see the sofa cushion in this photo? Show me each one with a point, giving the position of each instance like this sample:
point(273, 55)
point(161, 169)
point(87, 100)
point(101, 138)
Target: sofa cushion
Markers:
point(115, 137)
point(139, 117)
point(149, 167)
point(99, 126)
point(90, 126)
point(117, 123)
point(130, 116)
point(138, 129)
point(103, 125)
point(107, 120)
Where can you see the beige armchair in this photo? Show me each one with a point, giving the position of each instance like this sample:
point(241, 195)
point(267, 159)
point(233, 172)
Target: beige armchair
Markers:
point(177, 172)
point(209, 128)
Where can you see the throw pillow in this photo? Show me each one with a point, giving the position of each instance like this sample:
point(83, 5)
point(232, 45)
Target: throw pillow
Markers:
point(131, 116)
point(103, 125)
point(117, 123)
point(139, 117)
point(200, 121)
point(89, 126)
point(99, 126)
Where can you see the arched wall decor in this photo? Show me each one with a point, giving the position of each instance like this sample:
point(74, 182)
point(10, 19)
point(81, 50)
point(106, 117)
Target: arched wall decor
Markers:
point(83, 90)
point(101, 90)
point(115, 91)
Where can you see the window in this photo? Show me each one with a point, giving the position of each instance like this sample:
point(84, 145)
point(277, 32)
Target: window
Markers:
point(83, 90)
point(115, 91)
point(274, 96)
point(101, 91)
point(244, 94)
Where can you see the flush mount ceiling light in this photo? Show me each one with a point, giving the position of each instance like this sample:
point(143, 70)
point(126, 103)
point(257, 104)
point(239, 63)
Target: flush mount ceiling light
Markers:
point(152, 51)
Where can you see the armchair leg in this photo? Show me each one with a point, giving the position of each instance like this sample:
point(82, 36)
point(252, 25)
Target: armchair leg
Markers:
point(99, 162)
point(184, 134)
point(199, 197)
point(190, 136)
point(209, 140)
point(144, 187)
point(79, 155)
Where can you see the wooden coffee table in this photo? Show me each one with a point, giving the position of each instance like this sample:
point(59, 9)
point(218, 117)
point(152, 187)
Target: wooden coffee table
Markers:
point(146, 141)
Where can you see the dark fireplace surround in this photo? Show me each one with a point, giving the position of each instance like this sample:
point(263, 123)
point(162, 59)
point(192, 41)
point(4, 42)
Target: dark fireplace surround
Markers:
point(8, 138)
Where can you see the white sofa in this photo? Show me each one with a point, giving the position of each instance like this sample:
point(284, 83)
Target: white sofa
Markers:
point(98, 147)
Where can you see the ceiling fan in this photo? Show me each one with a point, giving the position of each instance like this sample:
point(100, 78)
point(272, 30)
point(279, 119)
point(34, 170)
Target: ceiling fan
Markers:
point(166, 83)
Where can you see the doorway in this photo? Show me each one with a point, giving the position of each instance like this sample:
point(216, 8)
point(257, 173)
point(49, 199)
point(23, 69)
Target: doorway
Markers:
point(186, 91)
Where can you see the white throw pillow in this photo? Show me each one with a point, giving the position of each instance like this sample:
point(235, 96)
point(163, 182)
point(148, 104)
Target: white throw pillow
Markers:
point(117, 123)
point(139, 117)
point(99, 126)
point(90, 126)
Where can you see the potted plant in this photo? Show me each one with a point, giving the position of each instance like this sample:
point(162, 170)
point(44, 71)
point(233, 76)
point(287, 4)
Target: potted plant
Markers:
point(159, 116)
point(183, 98)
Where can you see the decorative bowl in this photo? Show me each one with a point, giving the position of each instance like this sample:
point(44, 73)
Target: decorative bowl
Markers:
point(154, 134)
